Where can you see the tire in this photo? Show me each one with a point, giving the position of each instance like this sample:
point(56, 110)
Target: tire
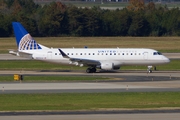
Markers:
point(93, 70)
point(150, 71)
point(88, 70)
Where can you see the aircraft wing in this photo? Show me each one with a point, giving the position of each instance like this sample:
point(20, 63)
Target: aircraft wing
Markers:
point(87, 62)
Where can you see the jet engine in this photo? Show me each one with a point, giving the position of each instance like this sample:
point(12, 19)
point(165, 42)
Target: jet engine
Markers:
point(109, 66)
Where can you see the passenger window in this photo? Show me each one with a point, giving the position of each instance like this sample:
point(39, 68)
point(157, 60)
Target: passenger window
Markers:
point(55, 53)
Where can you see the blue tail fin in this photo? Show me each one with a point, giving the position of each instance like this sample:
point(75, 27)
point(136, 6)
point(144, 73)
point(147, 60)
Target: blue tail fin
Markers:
point(23, 38)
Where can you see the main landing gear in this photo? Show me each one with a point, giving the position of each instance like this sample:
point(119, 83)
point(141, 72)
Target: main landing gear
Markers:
point(91, 70)
point(150, 69)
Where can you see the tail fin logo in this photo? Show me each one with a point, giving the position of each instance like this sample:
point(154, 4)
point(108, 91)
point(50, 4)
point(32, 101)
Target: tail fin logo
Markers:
point(28, 43)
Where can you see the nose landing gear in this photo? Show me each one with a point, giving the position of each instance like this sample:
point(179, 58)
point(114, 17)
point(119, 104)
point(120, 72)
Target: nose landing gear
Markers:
point(149, 70)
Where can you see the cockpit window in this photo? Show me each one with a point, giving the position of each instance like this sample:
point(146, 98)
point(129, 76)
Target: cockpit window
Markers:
point(157, 53)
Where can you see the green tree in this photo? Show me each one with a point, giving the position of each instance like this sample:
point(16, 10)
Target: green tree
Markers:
point(28, 6)
point(20, 13)
point(116, 23)
point(5, 26)
point(171, 21)
point(76, 20)
point(155, 19)
point(53, 20)
point(121, 22)
point(92, 22)
point(9, 3)
point(16, 8)
point(139, 26)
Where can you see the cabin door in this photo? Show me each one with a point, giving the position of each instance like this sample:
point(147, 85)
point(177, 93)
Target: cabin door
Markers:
point(49, 55)
point(145, 55)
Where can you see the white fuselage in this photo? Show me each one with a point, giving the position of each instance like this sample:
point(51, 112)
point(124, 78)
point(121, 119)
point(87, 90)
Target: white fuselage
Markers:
point(102, 58)
point(119, 57)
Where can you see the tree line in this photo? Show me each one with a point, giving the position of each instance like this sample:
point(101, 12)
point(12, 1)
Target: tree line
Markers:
point(58, 19)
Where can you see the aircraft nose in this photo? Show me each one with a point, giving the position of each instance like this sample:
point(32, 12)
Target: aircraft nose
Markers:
point(167, 60)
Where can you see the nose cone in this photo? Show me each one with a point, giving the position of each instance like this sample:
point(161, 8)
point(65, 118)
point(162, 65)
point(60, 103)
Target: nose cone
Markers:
point(166, 60)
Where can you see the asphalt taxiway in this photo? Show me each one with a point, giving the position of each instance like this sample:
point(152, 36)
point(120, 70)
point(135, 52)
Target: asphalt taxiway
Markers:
point(126, 116)
point(124, 81)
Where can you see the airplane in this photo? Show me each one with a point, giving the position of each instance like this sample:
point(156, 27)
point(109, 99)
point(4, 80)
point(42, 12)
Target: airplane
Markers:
point(93, 58)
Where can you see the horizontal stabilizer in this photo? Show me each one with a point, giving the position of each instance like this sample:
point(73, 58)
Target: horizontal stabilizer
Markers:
point(21, 54)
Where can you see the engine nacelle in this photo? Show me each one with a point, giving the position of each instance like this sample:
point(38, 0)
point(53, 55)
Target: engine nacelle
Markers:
point(109, 66)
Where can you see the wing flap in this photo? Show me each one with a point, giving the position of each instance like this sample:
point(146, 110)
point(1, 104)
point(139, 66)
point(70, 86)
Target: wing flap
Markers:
point(87, 62)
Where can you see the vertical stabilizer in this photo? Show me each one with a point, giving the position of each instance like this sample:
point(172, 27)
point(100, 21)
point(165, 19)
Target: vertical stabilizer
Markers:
point(23, 38)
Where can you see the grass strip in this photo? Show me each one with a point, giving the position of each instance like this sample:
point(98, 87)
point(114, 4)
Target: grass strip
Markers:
point(88, 101)
point(163, 44)
point(34, 65)
point(39, 65)
point(173, 65)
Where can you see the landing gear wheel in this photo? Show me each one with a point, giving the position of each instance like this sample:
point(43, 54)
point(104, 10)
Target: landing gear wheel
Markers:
point(155, 68)
point(88, 70)
point(150, 71)
point(91, 70)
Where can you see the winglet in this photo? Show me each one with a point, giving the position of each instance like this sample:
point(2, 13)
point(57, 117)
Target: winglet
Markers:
point(63, 54)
